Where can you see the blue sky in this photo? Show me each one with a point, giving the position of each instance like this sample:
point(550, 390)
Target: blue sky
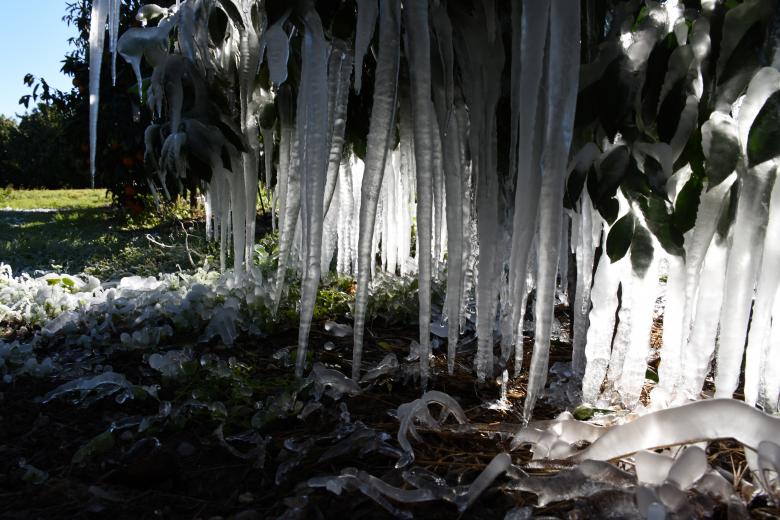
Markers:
point(34, 39)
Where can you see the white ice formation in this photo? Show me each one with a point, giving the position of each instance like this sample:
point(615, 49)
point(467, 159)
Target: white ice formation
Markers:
point(438, 171)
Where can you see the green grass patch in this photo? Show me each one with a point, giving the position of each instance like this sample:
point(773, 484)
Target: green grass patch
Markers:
point(98, 241)
point(53, 199)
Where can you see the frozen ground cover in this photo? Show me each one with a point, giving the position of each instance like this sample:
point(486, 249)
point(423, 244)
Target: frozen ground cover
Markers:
point(142, 312)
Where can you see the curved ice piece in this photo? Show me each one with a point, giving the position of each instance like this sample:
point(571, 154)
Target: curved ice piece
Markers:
point(497, 467)
point(699, 421)
point(417, 410)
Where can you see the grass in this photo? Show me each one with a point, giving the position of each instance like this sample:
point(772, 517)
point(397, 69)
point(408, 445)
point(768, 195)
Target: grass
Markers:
point(85, 235)
point(53, 199)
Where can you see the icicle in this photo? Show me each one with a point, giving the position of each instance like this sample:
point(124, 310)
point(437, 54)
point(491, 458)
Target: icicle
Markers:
point(113, 34)
point(701, 343)
point(453, 179)
point(268, 156)
point(313, 135)
point(642, 294)
point(289, 187)
point(768, 281)
point(366, 22)
point(744, 257)
point(562, 80)
point(533, 33)
point(602, 323)
point(707, 216)
point(770, 381)
point(670, 368)
point(482, 63)
point(419, 56)
point(587, 231)
point(97, 36)
point(563, 259)
point(380, 137)
point(345, 219)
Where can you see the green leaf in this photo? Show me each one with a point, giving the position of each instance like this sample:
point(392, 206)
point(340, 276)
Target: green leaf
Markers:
point(583, 412)
point(609, 210)
point(641, 250)
point(656, 176)
point(651, 375)
point(574, 186)
point(619, 238)
point(611, 170)
point(96, 446)
point(687, 204)
point(764, 136)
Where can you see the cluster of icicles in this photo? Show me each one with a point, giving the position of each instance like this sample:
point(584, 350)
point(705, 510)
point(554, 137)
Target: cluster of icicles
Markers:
point(502, 238)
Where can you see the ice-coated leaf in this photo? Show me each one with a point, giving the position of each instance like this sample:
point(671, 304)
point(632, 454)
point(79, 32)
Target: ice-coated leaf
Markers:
point(764, 136)
point(762, 87)
point(720, 143)
point(277, 48)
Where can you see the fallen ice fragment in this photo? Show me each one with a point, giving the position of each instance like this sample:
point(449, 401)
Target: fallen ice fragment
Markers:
point(65, 322)
point(170, 364)
point(652, 468)
point(105, 384)
point(587, 479)
point(339, 330)
point(331, 382)
point(388, 365)
point(688, 468)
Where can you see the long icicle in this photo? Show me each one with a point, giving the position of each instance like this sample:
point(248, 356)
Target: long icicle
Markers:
point(482, 60)
point(97, 36)
point(562, 81)
point(453, 178)
point(535, 17)
point(419, 55)
point(380, 135)
point(313, 135)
